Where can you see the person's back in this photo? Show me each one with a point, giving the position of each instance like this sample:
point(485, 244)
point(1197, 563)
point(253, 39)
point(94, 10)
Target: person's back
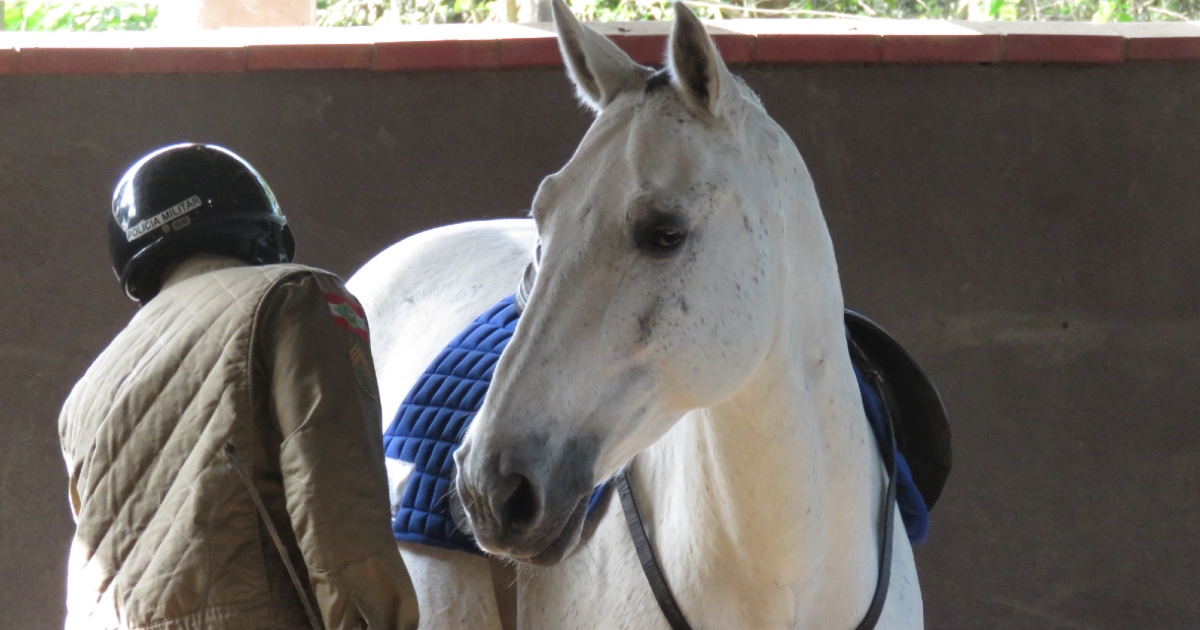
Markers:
point(234, 418)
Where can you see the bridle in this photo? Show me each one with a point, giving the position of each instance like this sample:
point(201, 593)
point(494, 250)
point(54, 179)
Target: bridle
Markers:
point(658, 582)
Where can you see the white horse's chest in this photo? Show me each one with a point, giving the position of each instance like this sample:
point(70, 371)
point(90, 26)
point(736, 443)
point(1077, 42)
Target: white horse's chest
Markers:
point(774, 570)
point(603, 583)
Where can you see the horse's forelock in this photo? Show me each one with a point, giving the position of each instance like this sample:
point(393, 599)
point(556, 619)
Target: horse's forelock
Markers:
point(659, 80)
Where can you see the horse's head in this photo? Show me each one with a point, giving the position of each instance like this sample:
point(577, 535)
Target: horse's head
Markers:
point(659, 286)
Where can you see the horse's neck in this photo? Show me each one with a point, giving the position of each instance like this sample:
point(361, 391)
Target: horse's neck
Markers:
point(765, 507)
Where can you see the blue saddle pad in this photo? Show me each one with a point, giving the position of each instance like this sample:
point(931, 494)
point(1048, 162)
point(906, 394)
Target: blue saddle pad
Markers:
point(432, 420)
point(434, 417)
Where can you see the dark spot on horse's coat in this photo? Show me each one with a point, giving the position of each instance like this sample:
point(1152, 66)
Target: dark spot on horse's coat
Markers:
point(580, 451)
point(683, 305)
point(537, 440)
point(746, 222)
point(647, 320)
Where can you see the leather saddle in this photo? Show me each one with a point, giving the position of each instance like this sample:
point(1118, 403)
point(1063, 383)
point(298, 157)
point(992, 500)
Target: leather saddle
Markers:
point(922, 427)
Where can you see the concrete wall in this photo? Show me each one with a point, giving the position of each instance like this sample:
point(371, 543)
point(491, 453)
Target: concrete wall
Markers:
point(1029, 231)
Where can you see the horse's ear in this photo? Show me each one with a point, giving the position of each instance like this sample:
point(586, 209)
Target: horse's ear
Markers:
point(696, 64)
point(599, 69)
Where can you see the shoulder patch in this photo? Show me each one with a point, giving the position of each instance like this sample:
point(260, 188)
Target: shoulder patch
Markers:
point(348, 314)
point(364, 372)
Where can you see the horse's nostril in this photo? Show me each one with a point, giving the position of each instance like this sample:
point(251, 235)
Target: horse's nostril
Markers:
point(520, 508)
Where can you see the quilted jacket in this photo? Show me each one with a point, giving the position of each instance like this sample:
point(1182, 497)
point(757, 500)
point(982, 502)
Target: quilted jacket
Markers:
point(234, 377)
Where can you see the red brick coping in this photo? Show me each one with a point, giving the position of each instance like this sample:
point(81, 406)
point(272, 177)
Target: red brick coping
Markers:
point(492, 46)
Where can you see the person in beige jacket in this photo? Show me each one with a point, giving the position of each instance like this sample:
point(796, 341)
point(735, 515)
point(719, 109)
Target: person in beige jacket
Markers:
point(224, 452)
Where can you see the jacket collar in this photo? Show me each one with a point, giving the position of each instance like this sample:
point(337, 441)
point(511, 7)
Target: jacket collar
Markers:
point(197, 265)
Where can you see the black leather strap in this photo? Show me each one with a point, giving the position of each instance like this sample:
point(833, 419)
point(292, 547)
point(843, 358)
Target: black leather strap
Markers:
point(887, 451)
point(641, 542)
point(637, 530)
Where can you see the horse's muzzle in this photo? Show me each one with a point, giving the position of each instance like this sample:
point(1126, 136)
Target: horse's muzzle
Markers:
point(515, 512)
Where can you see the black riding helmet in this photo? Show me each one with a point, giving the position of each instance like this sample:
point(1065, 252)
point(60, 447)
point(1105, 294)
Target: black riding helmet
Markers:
point(187, 199)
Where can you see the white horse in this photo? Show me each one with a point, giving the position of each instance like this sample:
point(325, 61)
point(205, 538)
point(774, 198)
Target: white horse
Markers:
point(686, 311)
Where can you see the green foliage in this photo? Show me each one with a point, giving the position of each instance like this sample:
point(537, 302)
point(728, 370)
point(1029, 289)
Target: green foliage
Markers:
point(65, 16)
point(623, 10)
point(365, 12)
point(384, 12)
point(32, 15)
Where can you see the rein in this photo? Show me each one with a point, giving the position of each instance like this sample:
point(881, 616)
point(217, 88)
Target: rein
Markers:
point(888, 452)
point(641, 542)
point(658, 582)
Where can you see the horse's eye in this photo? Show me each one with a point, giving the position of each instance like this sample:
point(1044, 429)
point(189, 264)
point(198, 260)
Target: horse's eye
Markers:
point(662, 239)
